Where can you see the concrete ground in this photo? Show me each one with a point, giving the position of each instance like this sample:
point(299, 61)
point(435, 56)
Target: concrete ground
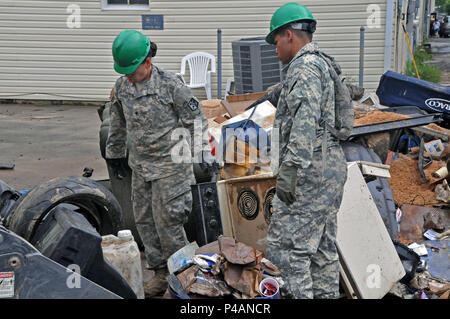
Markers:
point(48, 141)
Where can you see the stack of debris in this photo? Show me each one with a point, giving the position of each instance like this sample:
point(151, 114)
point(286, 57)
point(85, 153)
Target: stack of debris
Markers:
point(420, 186)
point(223, 268)
point(410, 182)
point(424, 232)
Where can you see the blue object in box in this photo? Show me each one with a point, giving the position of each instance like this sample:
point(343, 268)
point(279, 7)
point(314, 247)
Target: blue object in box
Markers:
point(396, 89)
point(247, 131)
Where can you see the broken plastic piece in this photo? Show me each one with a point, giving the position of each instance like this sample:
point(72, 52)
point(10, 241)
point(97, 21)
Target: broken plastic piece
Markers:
point(431, 234)
point(206, 262)
point(440, 173)
point(182, 258)
point(420, 250)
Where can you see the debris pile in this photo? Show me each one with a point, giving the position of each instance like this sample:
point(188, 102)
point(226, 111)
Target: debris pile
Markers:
point(225, 268)
point(422, 198)
point(429, 288)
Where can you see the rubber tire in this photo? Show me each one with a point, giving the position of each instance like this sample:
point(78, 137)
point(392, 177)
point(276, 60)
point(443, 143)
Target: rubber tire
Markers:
point(101, 206)
point(8, 199)
point(379, 188)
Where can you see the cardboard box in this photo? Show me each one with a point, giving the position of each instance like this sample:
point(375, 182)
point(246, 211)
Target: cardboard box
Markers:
point(435, 147)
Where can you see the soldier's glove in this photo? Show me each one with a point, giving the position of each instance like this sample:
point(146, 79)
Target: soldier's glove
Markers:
point(118, 166)
point(286, 182)
point(208, 161)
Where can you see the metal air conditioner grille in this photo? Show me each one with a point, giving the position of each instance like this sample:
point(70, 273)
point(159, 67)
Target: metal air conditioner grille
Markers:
point(256, 65)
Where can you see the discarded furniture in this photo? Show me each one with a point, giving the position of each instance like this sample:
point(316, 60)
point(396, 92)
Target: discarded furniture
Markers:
point(198, 68)
point(230, 83)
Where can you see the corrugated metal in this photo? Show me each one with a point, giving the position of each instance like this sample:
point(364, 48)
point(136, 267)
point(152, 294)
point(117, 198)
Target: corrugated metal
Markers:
point(40, 54)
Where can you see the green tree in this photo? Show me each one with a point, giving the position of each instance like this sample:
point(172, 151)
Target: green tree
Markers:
point(444, 6)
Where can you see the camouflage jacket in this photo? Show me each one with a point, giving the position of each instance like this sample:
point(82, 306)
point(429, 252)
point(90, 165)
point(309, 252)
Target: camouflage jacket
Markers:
point(147, 114)
point(306, 97)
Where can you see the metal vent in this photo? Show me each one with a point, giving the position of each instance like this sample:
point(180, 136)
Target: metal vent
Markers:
point(248, 203)
point(267, 206)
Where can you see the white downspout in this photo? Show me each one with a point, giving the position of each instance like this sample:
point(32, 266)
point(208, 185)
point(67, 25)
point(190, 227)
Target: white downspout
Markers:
point(388, 34)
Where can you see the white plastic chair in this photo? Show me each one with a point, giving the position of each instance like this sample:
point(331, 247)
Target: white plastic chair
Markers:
point(230, 83)
point(198, 69)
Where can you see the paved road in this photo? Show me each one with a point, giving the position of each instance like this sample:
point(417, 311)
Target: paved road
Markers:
point(48, 141)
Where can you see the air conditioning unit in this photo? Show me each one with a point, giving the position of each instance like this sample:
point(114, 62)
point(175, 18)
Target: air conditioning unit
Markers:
point(256, 65)
point(246, 208)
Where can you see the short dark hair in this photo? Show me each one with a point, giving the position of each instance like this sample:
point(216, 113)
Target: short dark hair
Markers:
point(152, 52)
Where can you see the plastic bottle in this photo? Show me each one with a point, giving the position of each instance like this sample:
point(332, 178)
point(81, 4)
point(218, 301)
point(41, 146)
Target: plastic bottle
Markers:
point(122, 253)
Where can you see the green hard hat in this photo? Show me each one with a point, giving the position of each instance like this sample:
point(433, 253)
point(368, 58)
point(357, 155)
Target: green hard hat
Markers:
point(290, 12)
point(130, 48)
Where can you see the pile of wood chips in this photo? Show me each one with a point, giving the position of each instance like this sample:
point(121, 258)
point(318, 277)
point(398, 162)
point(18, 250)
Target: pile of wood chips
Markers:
point(377, 117)
point(406, 184)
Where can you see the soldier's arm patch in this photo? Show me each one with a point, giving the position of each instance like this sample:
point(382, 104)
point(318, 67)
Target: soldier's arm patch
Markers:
point(193, 104)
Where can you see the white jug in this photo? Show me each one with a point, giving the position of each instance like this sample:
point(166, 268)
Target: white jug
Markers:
point(123, 254)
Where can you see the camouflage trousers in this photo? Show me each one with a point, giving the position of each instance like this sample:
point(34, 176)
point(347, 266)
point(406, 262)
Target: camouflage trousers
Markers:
point(160, 208)
point(301, 237)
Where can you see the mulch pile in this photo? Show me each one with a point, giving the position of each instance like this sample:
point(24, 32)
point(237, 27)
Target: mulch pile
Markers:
point(406, 184)
point(377, 117)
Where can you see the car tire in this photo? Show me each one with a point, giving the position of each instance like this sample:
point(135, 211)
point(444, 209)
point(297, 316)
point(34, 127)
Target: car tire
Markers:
point(94, 201)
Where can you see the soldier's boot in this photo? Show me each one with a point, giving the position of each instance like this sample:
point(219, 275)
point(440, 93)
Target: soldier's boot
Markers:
point(158, 284)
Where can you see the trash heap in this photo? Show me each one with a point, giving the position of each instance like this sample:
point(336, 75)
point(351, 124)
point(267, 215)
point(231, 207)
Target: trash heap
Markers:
point(224, 268)
point(421, 196)
point(422, 200)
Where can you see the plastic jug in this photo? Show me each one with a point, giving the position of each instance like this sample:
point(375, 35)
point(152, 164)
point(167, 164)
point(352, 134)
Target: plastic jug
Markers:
point(122, 253)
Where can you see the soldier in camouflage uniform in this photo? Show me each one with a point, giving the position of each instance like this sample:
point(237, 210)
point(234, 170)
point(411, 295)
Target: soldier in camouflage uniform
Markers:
point(149, 104)
point(302, 233)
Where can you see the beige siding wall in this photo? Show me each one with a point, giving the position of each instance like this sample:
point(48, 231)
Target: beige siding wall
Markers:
point(40, 54)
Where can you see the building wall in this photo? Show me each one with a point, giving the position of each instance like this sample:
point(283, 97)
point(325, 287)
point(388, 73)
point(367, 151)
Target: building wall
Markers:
point(41, 58)
point(416, 28)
